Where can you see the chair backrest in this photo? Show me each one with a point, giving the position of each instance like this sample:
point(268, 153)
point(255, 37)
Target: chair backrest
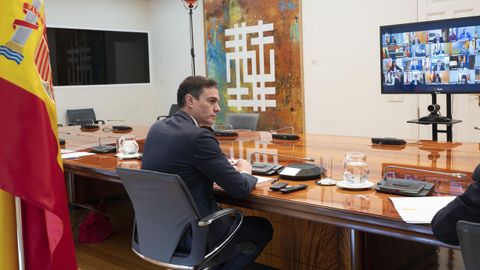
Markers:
point(242, 120)
point(469, 236)
point(173, 110)
point(81, 116)
point(164, 211)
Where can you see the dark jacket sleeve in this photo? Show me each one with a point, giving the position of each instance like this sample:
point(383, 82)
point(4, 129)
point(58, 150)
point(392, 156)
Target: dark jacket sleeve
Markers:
point(465, 207)
point(211, 161)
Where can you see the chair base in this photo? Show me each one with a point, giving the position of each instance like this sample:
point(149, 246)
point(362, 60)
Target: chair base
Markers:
point(162, 264)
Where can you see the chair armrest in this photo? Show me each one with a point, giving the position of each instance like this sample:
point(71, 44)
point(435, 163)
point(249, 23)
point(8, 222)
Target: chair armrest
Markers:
point(205, 221)
point(98, 121)
point(162, 116)
point(212, 217)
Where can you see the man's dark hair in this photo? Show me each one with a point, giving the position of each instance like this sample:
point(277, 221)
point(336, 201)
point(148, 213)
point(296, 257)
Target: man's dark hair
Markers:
point(194, 86)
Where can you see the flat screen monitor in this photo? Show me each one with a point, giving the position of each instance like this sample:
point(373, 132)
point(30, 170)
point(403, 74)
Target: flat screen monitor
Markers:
point(431, 57)
point(90, 57)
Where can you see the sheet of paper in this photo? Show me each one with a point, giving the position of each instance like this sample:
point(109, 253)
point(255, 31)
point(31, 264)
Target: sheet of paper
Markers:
point(419, 210)
point(290, 171)
point(76, 155)
point(66, 151)
point(262, 179)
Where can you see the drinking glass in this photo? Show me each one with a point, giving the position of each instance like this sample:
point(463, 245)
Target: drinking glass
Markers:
point(355, 168)
point(327, 164)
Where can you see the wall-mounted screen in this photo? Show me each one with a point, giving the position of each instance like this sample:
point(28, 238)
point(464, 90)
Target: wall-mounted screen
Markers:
point(89, 57)
point(431, 57)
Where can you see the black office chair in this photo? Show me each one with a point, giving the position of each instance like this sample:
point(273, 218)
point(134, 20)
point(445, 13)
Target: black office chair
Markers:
point(82, 117)
point(242, 120)
point(171, 112)
point(469, 236)
point(164, 212)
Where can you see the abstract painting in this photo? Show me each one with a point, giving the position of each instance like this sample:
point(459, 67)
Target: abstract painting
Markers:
point(253, 51)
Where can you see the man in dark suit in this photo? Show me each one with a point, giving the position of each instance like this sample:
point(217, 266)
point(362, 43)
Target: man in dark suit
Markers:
point(464, 207)
point(439, 66)
point(179, 145)
point(415, 81)
point(437, 78)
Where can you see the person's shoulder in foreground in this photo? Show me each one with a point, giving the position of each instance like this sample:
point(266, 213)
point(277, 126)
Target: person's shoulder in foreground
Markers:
point(464, 207)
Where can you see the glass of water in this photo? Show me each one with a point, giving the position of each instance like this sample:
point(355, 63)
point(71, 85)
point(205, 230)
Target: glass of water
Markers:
point(355, 168)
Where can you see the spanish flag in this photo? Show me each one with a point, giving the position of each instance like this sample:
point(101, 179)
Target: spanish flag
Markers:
point(30, 163)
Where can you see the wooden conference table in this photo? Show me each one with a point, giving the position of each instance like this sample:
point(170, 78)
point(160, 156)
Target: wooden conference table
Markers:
point(323, 227)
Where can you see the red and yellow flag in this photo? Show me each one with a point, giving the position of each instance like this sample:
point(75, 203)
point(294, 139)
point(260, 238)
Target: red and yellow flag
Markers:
point(30, 162)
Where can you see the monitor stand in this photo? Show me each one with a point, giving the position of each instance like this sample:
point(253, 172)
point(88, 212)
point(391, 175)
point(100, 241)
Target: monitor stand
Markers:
point(436, 120)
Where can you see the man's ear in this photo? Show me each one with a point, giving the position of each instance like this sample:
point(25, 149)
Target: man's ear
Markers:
point(189, 100)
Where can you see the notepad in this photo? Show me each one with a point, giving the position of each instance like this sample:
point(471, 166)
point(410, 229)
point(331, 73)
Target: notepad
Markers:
point(76, 155)
point(261, 179)
point(289, 171)
point(419, 210)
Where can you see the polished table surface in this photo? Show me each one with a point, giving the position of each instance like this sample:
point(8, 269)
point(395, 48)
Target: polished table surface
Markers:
point(364, 210)
point(77, 139)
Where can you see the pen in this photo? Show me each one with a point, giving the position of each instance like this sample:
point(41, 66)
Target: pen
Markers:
point(275, 180)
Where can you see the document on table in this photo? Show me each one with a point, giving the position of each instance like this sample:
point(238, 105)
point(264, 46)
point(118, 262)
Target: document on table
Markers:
point(76, 155)
point(419, 210)
point(261, 179)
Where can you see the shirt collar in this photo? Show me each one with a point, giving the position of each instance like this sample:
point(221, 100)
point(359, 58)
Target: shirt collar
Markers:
point(195, 121)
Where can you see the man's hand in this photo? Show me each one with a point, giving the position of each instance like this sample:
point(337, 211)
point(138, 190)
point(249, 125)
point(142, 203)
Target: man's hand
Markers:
point(243, 166)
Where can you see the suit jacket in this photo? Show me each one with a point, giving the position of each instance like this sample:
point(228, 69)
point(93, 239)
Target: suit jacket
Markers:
point(464, 207)
point(177, 146)
point(440, 68)
point(415, 82)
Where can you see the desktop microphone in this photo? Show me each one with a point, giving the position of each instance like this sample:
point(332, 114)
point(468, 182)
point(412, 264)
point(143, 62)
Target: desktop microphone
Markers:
point(284, 136)
point(294, 171)
point(113, 120)
point(406, 187)
point(121, 129)
point(118, 128)
point(222, 133)
point(281, 155)
point(89, 127)
point(456, 175)
point(225, 132)
point(104, 148)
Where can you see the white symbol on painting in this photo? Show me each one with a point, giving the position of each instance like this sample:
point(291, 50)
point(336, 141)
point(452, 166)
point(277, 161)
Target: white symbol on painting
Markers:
point(245, 64)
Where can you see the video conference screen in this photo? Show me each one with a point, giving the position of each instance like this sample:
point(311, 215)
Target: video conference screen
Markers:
point(431, 57)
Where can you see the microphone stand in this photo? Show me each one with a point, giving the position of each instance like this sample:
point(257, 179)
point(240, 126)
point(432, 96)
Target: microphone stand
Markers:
point(289, 127)
point(281, 155)
point(456, 175)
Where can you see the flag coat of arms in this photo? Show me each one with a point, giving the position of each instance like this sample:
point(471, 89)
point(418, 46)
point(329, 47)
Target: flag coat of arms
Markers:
point(30, 163)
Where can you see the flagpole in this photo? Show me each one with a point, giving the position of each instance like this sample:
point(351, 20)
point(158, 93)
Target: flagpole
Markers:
point(18, 219)
point(8, 244)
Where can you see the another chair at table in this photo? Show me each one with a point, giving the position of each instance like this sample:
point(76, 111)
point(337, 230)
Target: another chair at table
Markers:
point(171, 112)
point(242, 120)
point(469, 236)
point(82, 117)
